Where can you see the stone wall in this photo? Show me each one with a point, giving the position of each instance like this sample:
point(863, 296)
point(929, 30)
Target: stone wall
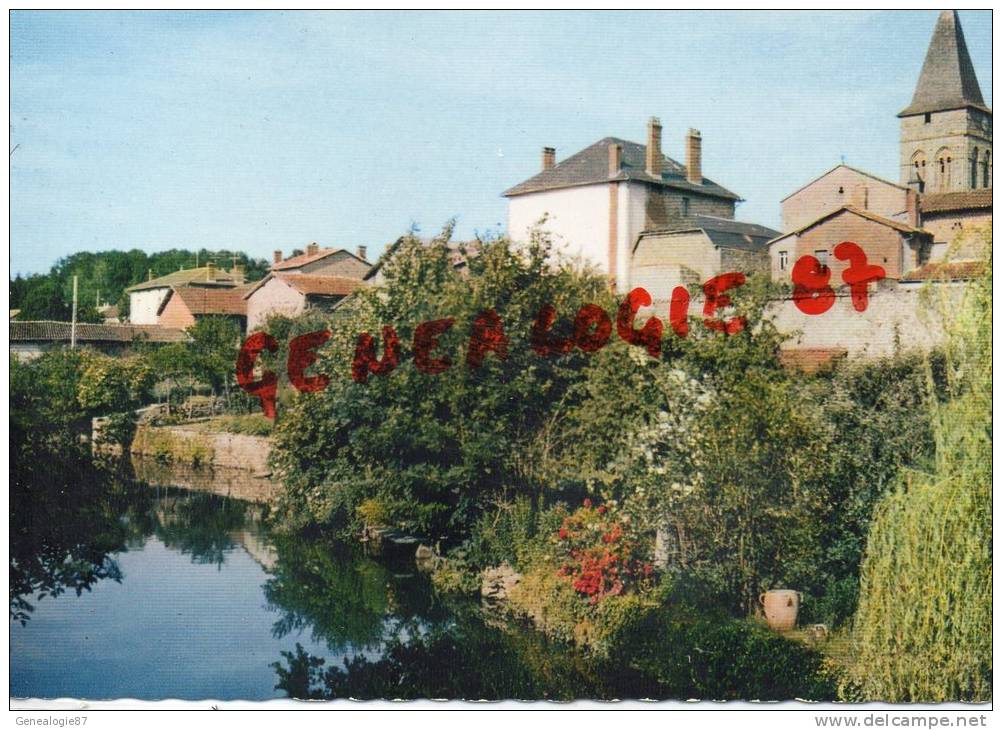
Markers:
point(896, 319)
point(187, 444)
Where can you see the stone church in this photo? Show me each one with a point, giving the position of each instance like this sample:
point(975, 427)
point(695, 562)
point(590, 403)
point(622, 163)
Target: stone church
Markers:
point(944, 188)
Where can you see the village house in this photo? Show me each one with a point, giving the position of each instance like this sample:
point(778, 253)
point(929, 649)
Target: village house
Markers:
point(898, 247)
point(147, 298)
point(185, 305)
point(599, 201)
point(317, 279)
point(318, 261)
point(291, 294)
point(689, 256)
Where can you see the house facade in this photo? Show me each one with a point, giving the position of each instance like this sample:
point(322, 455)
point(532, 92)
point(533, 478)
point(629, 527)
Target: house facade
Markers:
point(317, 279)
point(146, 298)
point(324, 262)
point(895, 246)
point(664, 259)
point(291, 294)
point(846, 186)
point(185, 305)
point(598, 201)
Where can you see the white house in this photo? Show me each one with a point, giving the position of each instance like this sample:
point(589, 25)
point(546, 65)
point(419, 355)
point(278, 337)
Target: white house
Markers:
point(599, 200)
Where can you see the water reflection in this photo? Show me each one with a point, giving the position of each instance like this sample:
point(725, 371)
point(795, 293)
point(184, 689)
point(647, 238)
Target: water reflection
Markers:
point(371, 628)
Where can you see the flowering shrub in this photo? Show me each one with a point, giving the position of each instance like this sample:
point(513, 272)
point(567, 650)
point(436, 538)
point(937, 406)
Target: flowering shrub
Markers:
point(602, 555)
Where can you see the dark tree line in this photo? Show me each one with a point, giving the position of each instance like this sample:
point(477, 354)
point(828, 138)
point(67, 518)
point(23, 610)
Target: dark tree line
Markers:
point(104, 276)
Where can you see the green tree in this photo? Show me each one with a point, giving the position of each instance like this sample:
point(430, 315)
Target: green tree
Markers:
point(434, 448)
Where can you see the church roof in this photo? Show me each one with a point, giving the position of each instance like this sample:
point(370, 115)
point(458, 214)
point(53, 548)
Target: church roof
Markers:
point(591, 165)
point(958, 200)
point(947, 80)
point(899, 226)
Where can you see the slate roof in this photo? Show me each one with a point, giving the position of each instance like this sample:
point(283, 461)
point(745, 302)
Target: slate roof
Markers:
point(86, 332)
point(296, 262)
point(962, 200)
point(722, 232)
point(209, 300)
point(945, 271)
point(591, 165)
point(947, 80)
point(310, 285)
point(187, 276)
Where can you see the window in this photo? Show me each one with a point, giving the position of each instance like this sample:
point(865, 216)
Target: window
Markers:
point(974, 168)
point(945, 169)
point(840, 190)
point(928, 117)
point(822, 256)
point(685, 206)
point(784, 256)
point(985, 174)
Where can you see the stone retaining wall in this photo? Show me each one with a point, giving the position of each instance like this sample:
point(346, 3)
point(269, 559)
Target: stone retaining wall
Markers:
point(183, 444)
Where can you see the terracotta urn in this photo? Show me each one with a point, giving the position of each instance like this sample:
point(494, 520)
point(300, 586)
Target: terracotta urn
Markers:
point(780, 608)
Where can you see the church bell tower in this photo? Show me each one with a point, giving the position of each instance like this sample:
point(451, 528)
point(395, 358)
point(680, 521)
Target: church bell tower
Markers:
point(946, 131)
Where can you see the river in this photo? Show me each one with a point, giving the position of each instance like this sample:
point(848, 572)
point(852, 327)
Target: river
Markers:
point(154, 584)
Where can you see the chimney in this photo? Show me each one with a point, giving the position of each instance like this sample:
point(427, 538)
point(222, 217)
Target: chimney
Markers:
point(360, 252)
point(912, 209)
point(549, 158)
point(312, 249)
point(615, 159)
point(210, 271)
point(277, 257)
point(237, 272)
point(653, 166)
point(694, 157)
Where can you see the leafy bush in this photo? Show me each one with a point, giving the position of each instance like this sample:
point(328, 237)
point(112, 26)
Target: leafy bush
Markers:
point(697, 654)
point(438, 449)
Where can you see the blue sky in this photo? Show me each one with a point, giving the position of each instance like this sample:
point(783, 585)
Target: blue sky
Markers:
point(256, 131)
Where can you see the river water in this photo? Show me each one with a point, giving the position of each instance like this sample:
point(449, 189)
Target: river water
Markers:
point(157, 585)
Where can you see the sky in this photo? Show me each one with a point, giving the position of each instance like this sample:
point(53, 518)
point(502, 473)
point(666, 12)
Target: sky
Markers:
point(258, 131)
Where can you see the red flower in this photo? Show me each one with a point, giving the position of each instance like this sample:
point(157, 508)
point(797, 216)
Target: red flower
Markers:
point(602, 509)
point(587, 503)
point(563, 533)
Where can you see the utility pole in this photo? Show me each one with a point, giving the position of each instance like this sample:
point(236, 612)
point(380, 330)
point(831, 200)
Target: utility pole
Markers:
point(73, 322)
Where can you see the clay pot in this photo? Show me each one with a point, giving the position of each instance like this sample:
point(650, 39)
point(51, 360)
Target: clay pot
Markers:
point(781, 609)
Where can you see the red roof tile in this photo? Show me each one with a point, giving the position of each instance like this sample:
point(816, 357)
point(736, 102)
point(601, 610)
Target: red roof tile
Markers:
point(321, 285)
point(945, 271)
point(966, 200)
point(86, 332)
point(209, 300)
